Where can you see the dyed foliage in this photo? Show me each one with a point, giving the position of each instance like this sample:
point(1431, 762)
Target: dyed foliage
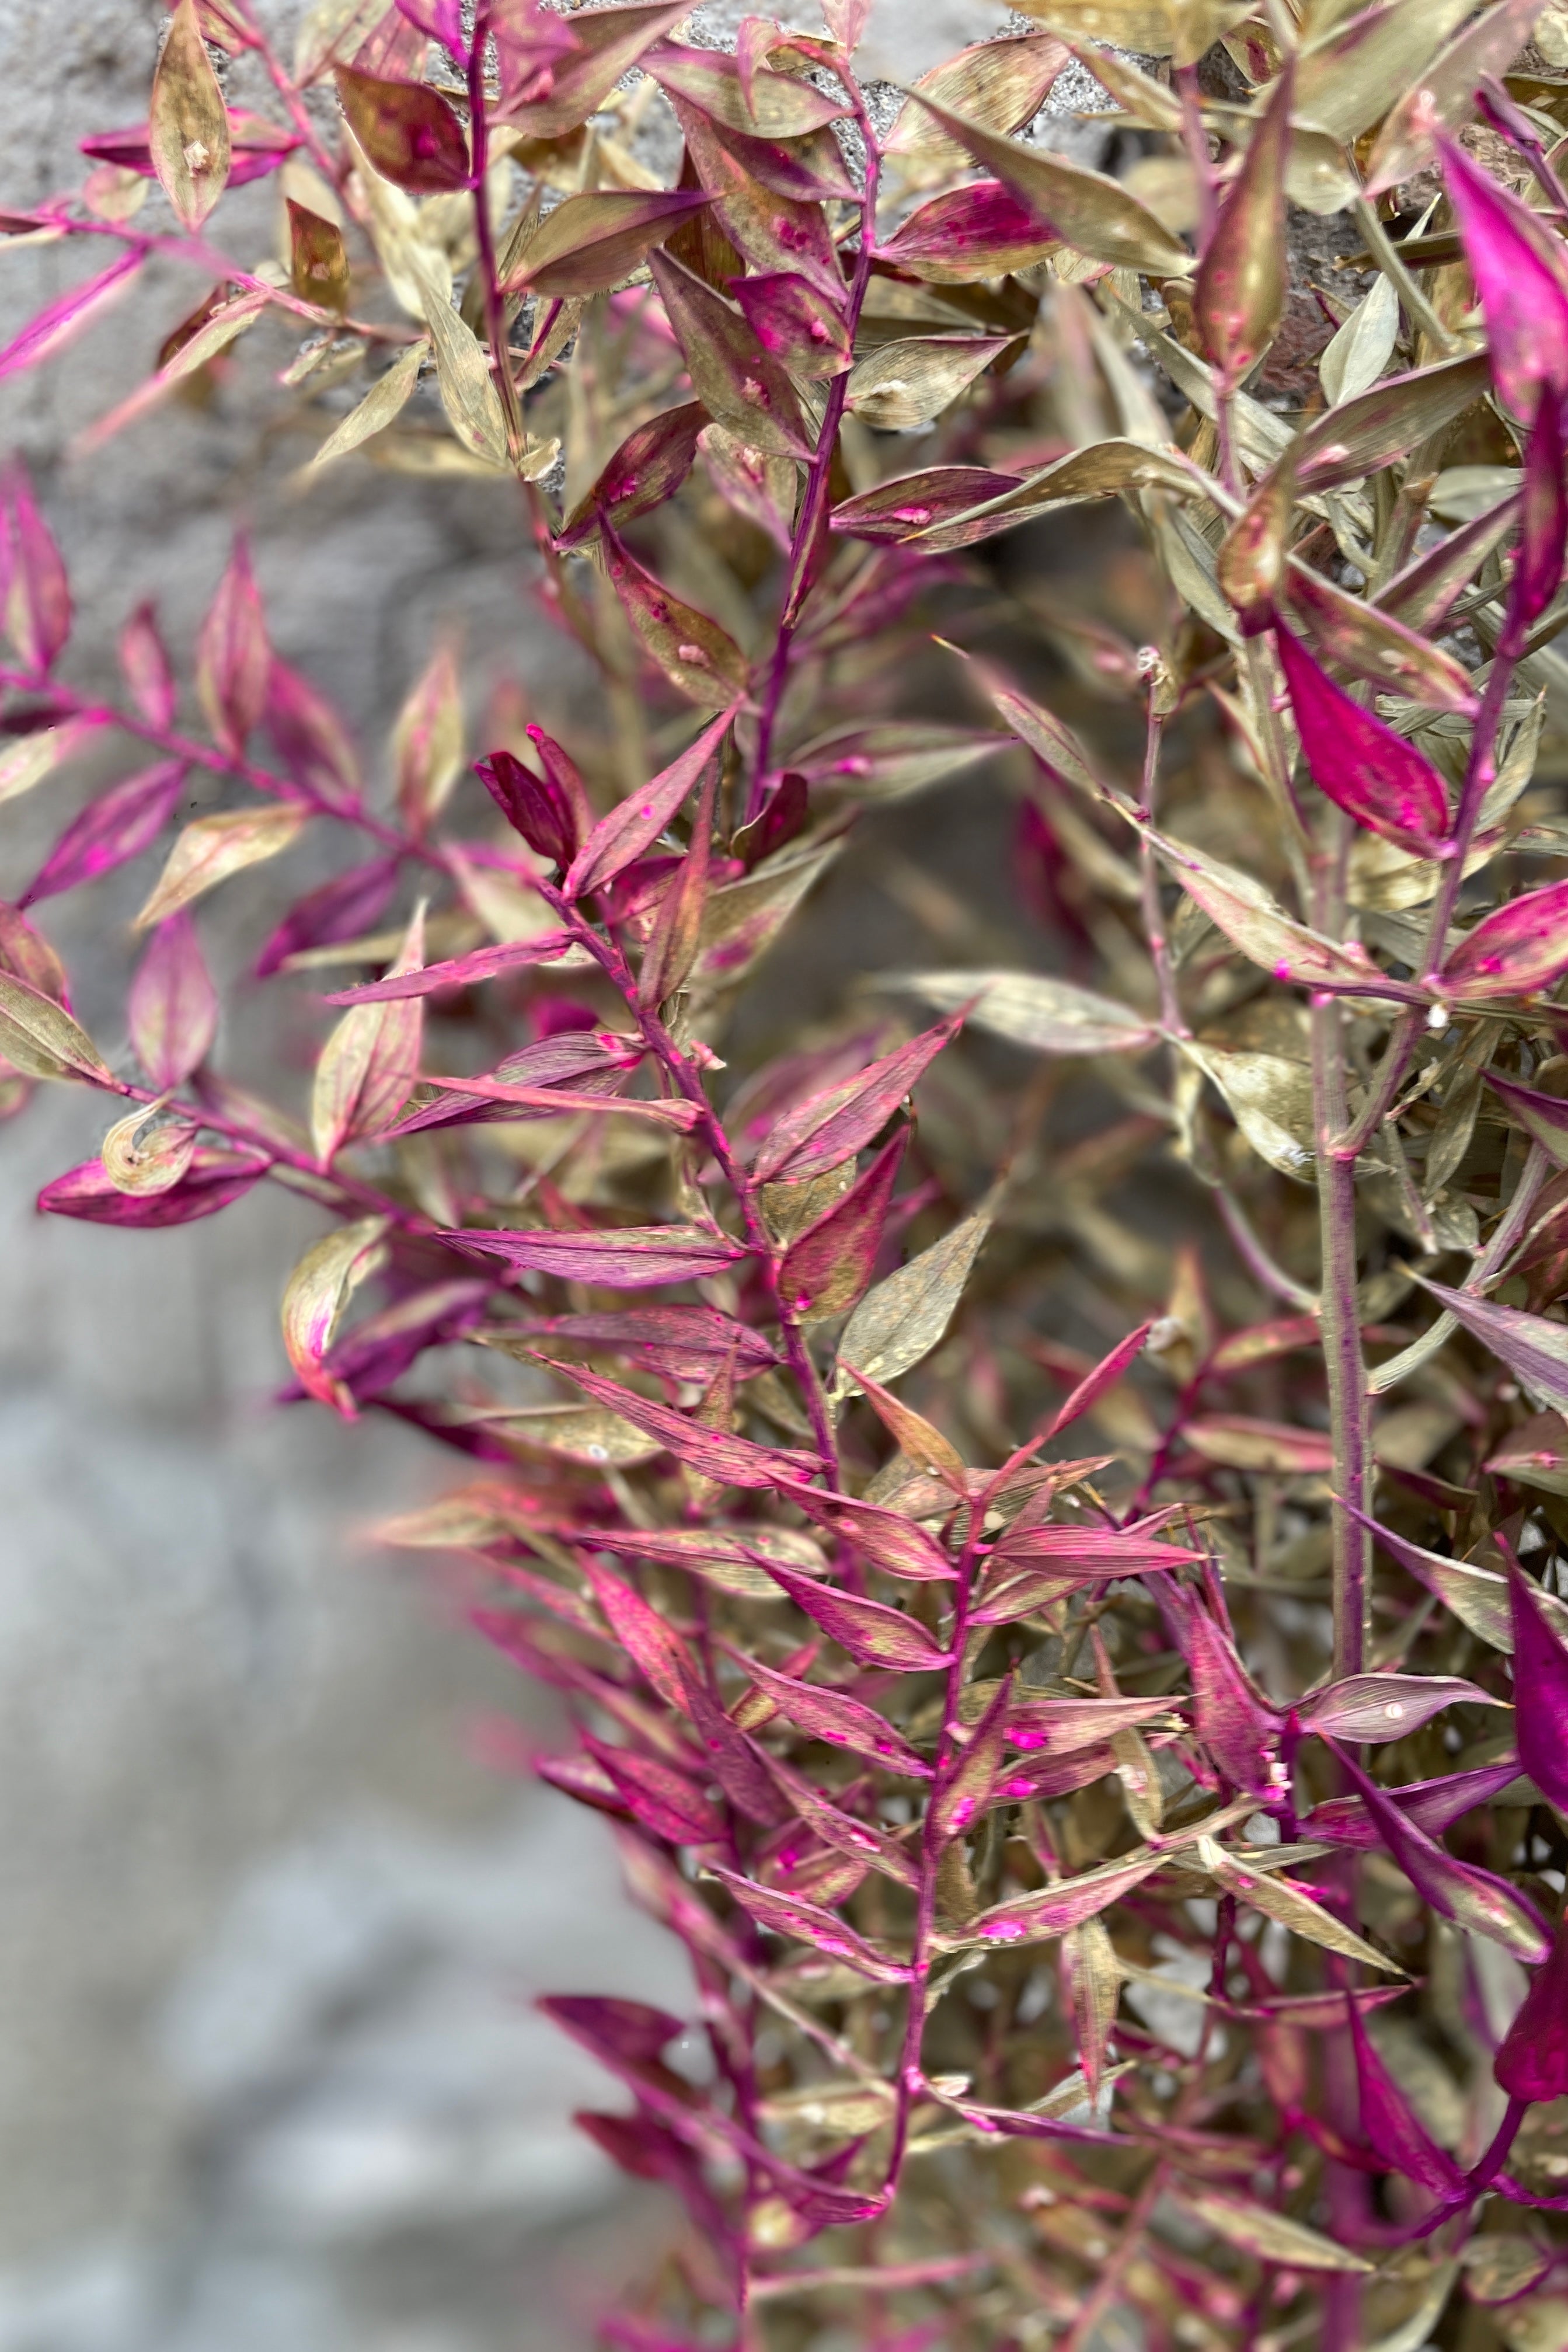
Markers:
point(1041, 1522)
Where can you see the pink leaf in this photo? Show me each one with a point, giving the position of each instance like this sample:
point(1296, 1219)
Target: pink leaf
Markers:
point(631, 1257)
point(340, 909)
point(834, 1717)
point(234, 660)
point(1472, 1898)
point(311, 739)
point(733, 1461)
point(1064, 1906)
point(735, 1763)
point(1062, 1726)
point(408, 131)
point(964, 1786)
point(651, 1643)
point(119, 825)
point(257, 147)
point(794, 319)
point(1370, 1707)
point(824, 1131)
point(1433, 1805)
point(1544, 519)
point(212, 1181)
point(1519, 275)
point(827, 1268)
point(1241, 1733)
point(684, 1343)
point(144, 665)
point(1532, 2062)
point(174, 1005)
point(37, 593)
point(1389, 2126)
point(461, 971)
point(623, 836)
point(873, 1634)
point(1514, 951)
point(60, 321)
point(1104, 1377)
point(888, 1541)
point(983, 230)
point(806, 1922)
point(896, 511)
point(1367, 769)
point(668, 1802)
point(1540, 1690)
point(1533, 1346)
point(622, 2033)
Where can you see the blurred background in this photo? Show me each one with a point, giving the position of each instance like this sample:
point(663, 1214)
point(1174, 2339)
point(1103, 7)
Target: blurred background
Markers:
point(268, 2073)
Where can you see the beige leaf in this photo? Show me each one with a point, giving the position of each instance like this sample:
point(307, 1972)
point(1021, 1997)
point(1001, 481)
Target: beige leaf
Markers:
point(146, 1152)
point(386, 401)
point(188, 122)
point(1358, 351)
point(1271, 1102)
point(316, 1295)
point(910, 383)
point(211, 848)
point(36, 756)
point(1350, 77)
point(1094, 1975)
point(1049, 1016)
point(462, 372)
point(1255, 2229)
point(1276, 1898)
point(366, 1068)
point(1444, 96)
point(40, 1038)
point(903, 1318)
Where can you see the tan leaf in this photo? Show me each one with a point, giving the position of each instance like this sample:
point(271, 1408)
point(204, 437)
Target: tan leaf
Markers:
point(385, 401)
point(463, 377)
point(1276, 1898)
point(1049, 1016)
point(903, 1318)
point(366, 1069)
point(40, 1038)
point(146, 1152)
point(316, 1295)
point(910, 383)
point(211, 848)
point(1255, 2230)
point(188, 122)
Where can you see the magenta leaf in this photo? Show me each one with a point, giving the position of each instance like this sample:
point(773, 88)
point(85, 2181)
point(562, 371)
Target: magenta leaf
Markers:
point(1370, 1707)
point(824, 1131)
point(531, 806)
point(1241, 1733)
point(733, 1461)
point(841, 1721)
point(826, 1269)
point(622, 2033)
point(983, 230)
point(795, 320)
point(144, 665)
point(213, 1179)
point(234, 660)
point(1533, 2061)
point(597, 1060)
point(631, 1257)
point(965, 1785)
point(807, 1922)
point(461, 971)
point(1367, 769)
point(1540, 1690)
point(340, 909)
point(1095, 1384)
point(1513, 952)
point(1543, 1117)
point(37, 599)
point(1519, 276)
point(408, 131)
point(684, 1343)
point(61, 320)
point(174, 1005)
point(618, 839)
point(885, 1539)
point(648, 467)
point(1432, 1805)
point(664, 1801)
point(1544, 519)
point(1389, 2125)
point(873, 1634)
point(735, 1763)
point(117, 827)
point(1533, 1346)
point(1472, 1898)
point(896, 511)
point(651, 1643)
point(311, 739)
point(1061, 1726)
point(1065, 1905)
point(257, 147)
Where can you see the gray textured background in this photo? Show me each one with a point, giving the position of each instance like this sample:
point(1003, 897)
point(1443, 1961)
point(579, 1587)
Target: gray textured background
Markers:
point(268, 2074)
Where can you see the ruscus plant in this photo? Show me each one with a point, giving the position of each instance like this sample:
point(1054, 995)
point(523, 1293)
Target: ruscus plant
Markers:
point(1050, 1526)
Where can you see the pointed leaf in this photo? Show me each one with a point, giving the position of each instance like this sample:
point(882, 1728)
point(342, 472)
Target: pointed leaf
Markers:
point(174, 1006)
point(1477, 1597)
point(315, 1297)
point(873, 1634)
point(807, 1922)
point(591, 243)
point(731, 1461)
point(903, 1318)
point(1363, 436)
point(828, 1268)
point(963, 1787)
point(632, 828)
point(827, 1128)
point(1049, 1016)
point(59, 322)
point(1249, 918)
point(1520, 278)
point(1540, 1689)
point(38, 1037)
point(699, 657)
point(1534, 1349)
point(463, 377)
point(1368, 770)
point(763, 104)
point(1267, 2236)
point(1279, 1898)
point(212, 1181)
point(1370, 644)
point(893, 510)
point(211, 848)
point(36, 592)
point(407, 131)
point(1472, 1898)
point(609, 42)
point(737, 381)
point(1369, 1708)
point(627, 1257)
point(1031, 1917)
point(234, 660)
point(462, 972)
point(648, 467)
point(366, 1069)
point(187, 124)
point(910, 383)
point(1445, 95)
point(1532, 2062)
point(1239, 296)
point(119, 825)
point(382, 405)
point(841, 1721)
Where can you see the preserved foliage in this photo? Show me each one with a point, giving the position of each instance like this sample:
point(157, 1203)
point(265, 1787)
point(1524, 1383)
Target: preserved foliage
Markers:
point(1049, 1524)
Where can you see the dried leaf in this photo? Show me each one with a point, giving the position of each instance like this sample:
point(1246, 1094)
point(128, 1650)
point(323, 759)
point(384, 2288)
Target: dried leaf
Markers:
point(907, 383)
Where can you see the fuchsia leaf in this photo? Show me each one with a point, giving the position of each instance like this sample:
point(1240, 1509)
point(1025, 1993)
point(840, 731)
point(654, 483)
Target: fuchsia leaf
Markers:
point(213, 1179)
point(897, 1545)
point(1472, 1898)
point(632, 828)
point(627, 1257)
point(1067, 1904)
point(651, 1643)
point(1433, 1805)
point(1241, 1733)
point(340, 909)
point(735, 1763)
point(660, 1799)
point(117, 827)
point(622, 2033)
point(1518, 269)
point(870, 1847)
point(965, 1784)
point(1544, 519)
point(795, 320)
point(896, 509)
point(61, 320)
point(983, 230)
point(1370, 1707)
point(1367, 769)
point(1388, 2124)
point(37, 598)
point(1062, 1726)
point(144, 665)
point(806, 1922)
point(440, 20)
point(1097, 1383)
point(1532, 2062)
point(684, 1343)
point(311, 739)
point(1540, 1690)
point(257, 147)
point(174, 1005)
point(648, 467)
point(599, 1058)
point(1543, 1117)
point(738, 381)
point(841, 1721)
point(1534, 1349)
point(733, 1461)
point(873, 1634)
point(460, 972)
point(407, 131)
point(824, 1131)
point(234, 660)
point(829, 1266)
point(377, 1352)
point(551, 1101)
point(1514, 951)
